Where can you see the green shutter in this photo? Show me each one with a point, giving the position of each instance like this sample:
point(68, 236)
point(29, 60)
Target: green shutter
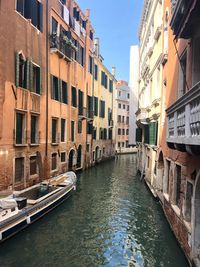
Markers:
point(138, 135)
point(31, 76)
point(153, 133)
point(146, 134)
point(27, 74)
point(40, 80)
point(52, 95)
point(17, 69)
point(60, 90)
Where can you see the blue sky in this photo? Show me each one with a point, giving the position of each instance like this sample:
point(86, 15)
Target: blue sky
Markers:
point(116, 24)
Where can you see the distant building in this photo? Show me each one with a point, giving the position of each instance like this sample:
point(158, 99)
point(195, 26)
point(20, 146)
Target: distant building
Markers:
point(122, 102)
point(133, 85)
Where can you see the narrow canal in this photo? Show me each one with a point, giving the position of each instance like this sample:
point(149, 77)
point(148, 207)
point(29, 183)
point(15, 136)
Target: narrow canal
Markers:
point(112, 220)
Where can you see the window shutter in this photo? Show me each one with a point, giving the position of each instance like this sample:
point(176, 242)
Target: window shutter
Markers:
point(52, 91)
point(27, 66)
point(31, 76)
point(17, 69)
point(38, 80)
point(146, 134)
point(59, 90)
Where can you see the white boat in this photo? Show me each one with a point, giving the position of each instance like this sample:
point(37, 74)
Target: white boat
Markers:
point(24, 207)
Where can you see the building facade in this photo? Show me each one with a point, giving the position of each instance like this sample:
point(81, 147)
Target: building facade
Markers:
point(175, 172)
point(47, 88)
point(150, 84)
point(133, 85)
point(122, 106)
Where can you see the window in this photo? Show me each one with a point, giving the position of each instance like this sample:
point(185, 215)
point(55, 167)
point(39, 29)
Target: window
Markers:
point(123, 118)
point(20, 137)
point(127, 131)
point(106, 81)
point(128, 96)
point(122, 144)
point(36, 79)
point(124, 106)
point(89, 128)
point(102, 109)
point(63, 130)
point(54, 130)
point(72, 131)
point(80, 102)
point(55, 88)
point(110, 86)
point(110, 134)
point(119, 131)
point(188, 201)
point(119, 93)
point(90, 65)
point(123, 131)
point(88, 148)
point(63, 157)
point(102, 78)
point(119, 105)
point(64, 92)
point(20, 71)
point(80, 126)
point(19, 169)
point(119, 118)
point(90, 106)
point(82, 56)
point(127, 120)
point(33, 165)
point(182, 75)
point(94, 135)
point(74, 97)
point(96, 106)
point(96, 72)
point(127, 107)
point(31, 10)
point(34, 129)
point(178, 186)
point(91, 35)
point(54, 26)
point(54, 161)
point(119, 144)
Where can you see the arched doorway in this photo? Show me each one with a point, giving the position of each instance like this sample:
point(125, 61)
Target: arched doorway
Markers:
point(79, 157)
point(97, 153)
point(160, 172)
point(71, 161)
point(196, 220)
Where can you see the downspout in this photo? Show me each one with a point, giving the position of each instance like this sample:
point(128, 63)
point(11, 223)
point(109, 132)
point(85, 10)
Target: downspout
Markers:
point(47, 77)
point(92, 107)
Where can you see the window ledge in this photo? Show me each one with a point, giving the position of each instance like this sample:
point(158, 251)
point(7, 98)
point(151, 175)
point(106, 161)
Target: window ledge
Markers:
point(54, 144)
point(21, 145)
point(176, 210)
point(33, 145)
point(28, 20)
point(34, 176)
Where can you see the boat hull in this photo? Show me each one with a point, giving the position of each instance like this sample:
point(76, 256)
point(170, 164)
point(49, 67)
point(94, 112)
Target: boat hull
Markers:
point(33, 214)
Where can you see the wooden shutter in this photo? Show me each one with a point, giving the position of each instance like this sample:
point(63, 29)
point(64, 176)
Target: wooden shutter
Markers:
point(138, 135)
point(146, 134)
point(31, 76)
point(27, 74)
point(17, 69)
point(38, 80)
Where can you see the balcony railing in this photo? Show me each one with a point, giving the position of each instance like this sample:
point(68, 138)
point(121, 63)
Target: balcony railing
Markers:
point(63, 46)
point(142, 115)
point(90, 114)
point(184, 14)
point(183, 131)
point(82, 112)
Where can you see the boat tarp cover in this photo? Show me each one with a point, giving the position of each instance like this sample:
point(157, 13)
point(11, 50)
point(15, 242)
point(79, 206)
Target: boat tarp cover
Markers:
point(8, 203)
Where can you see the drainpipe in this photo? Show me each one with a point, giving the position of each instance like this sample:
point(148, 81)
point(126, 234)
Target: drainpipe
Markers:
point(47, 76)
point(92, 105)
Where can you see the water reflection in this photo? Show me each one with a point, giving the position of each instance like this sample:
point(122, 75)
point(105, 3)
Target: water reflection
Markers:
point(112, 220)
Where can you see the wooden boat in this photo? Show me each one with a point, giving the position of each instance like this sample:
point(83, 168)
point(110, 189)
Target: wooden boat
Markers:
point(24, 207)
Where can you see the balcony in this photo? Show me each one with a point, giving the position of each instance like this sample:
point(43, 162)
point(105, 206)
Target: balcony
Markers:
point(90, 115)
point(62, 46)
point(82, 113)
point(185, 14)
point(183, 131)
point(142, 116)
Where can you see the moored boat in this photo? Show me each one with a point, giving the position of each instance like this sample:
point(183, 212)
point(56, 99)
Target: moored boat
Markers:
point(24, 207)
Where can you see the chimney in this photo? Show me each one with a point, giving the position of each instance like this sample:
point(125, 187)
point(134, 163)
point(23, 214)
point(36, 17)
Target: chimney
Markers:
point(113, 71)
point(97, 47)
point(87, 13)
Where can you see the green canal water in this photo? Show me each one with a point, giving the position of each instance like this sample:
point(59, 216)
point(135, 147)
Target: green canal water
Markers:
point(112, 221)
